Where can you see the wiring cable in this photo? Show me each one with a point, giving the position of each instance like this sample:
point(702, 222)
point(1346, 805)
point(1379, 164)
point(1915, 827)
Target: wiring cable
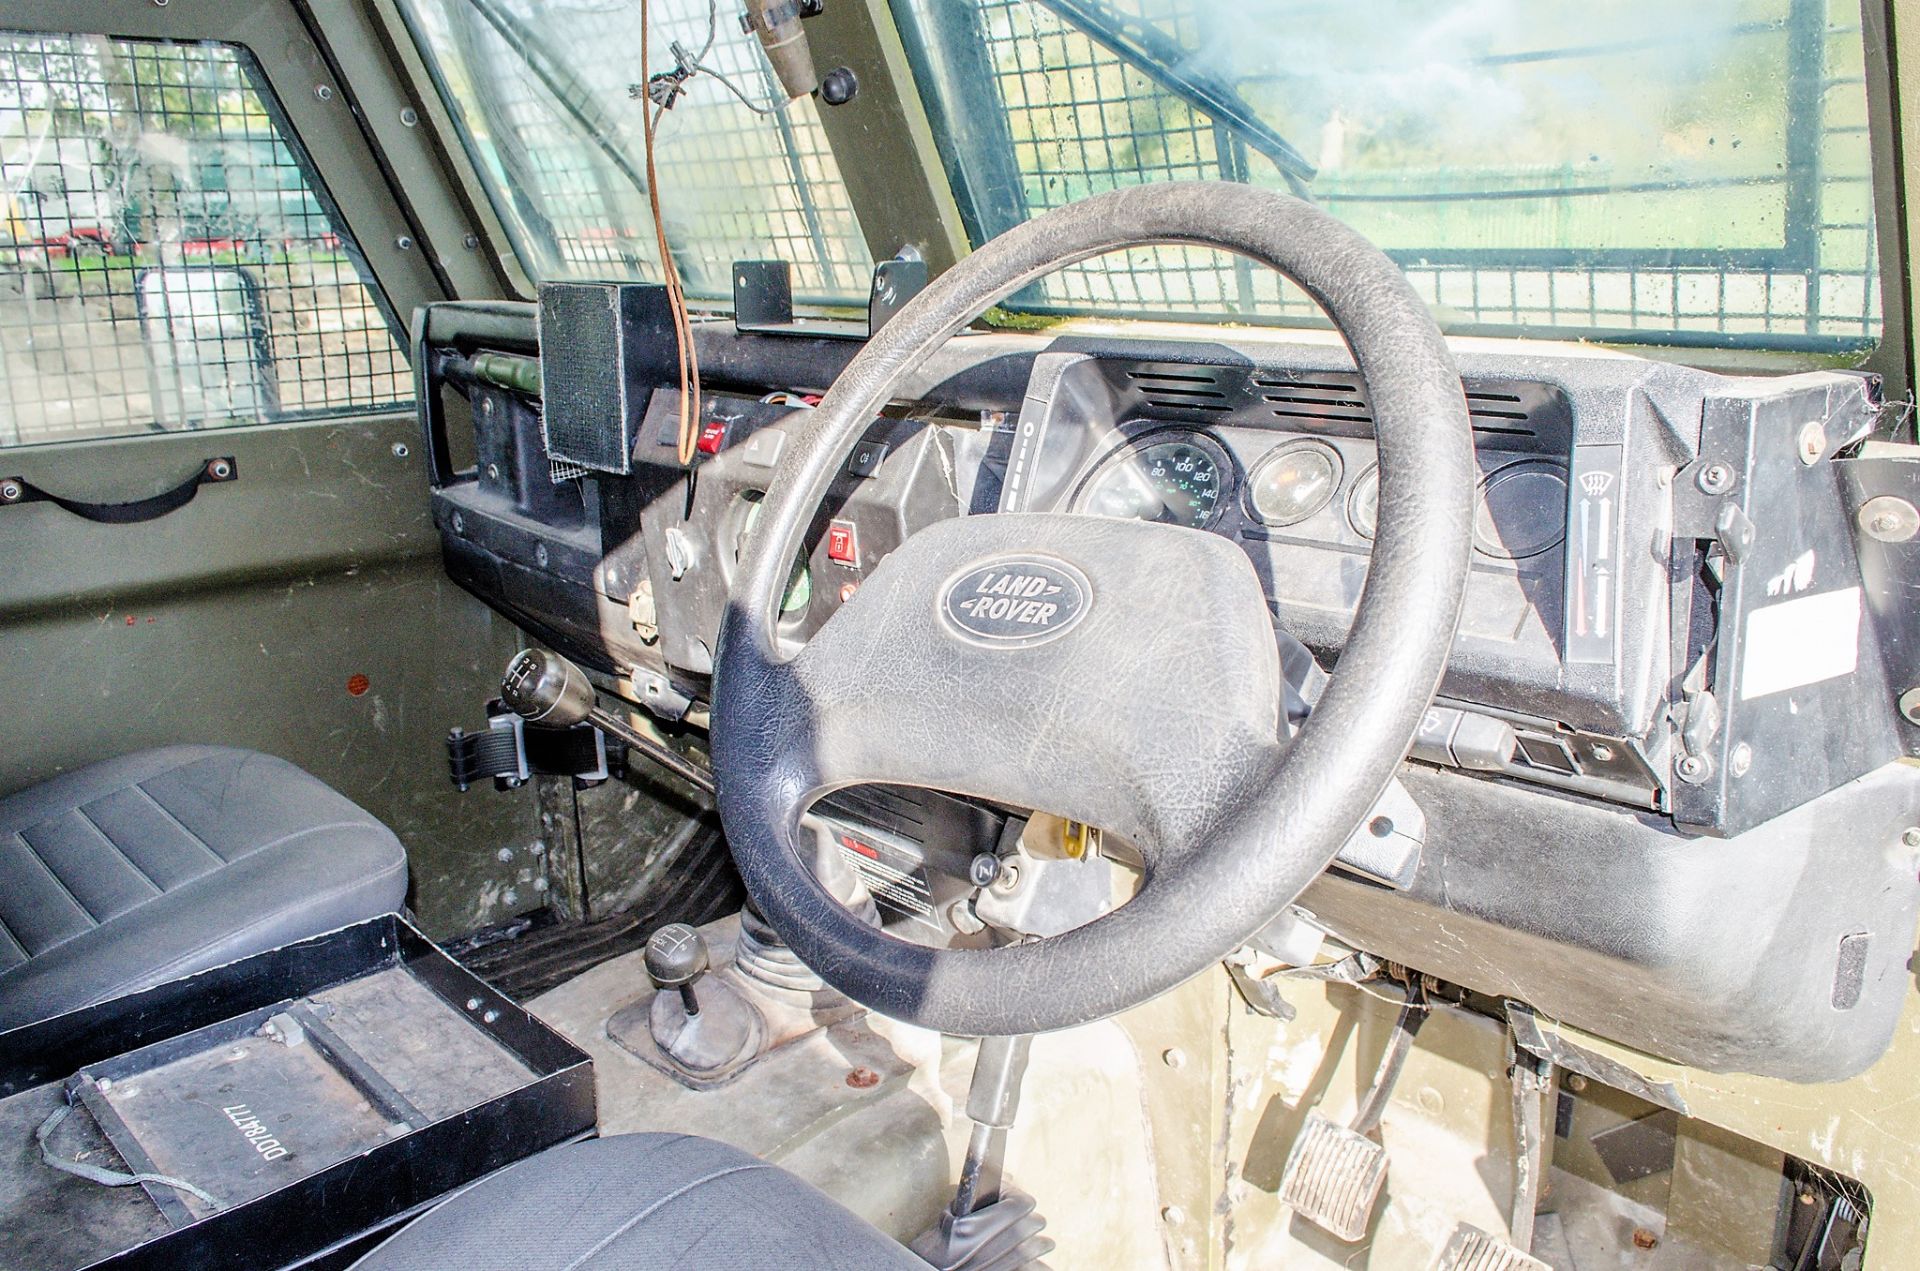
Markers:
point(689, 358)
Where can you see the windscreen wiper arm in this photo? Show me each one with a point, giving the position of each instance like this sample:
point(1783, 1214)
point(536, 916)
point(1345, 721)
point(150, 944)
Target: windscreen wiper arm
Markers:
point(1162, 59)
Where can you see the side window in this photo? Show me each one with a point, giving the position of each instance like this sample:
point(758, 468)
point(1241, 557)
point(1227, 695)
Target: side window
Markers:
point(167, 261)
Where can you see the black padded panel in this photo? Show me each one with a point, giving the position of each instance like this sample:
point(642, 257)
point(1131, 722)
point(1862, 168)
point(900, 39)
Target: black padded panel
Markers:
point(641, 1202)
point(158, 864)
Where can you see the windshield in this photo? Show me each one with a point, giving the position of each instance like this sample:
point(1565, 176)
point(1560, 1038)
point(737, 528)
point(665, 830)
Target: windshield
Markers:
point(541, 92)
point(1636, 169)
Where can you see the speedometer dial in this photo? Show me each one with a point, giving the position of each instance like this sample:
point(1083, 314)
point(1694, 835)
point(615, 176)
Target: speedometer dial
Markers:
point(1176, 481)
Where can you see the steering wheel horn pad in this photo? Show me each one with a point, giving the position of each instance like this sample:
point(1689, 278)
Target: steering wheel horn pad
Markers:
point(1145, 701)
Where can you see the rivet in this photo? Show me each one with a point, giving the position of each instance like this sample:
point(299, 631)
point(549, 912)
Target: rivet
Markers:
point(470, 242)
point(489, 1017)
point(1644, 1239)
point(473, 1003)
point(408, 117)
point(504, 854)
point(1812, 442)
point(1173, 1215)
point(1741, 760)
point(1576, 1082)
point(459, 524)
point(404, 242)
point(1602, 753)
point(323, 91)
point(400, 450)
point(1911, 836)
point(1910, 705)
point(1174, 1057)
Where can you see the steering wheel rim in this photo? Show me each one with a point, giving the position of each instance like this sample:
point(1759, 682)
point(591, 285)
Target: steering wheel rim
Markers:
point(1280, 810)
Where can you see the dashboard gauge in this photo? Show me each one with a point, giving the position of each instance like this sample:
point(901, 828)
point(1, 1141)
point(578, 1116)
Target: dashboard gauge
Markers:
point(1292, 482)
point(1523, 510)
point(1363, 502)
point(1177, 479)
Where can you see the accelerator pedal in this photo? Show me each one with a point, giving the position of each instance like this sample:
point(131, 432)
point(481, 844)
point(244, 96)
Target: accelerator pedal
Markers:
point(1334, 1173)
point(1470, 1249)
point(1333, 1178)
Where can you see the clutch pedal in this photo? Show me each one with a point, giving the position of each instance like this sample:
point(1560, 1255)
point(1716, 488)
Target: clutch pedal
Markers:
point(1335, 1173)
point(1470, 1249)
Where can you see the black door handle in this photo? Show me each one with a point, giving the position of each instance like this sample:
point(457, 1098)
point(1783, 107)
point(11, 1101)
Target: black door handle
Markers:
point(213, 472)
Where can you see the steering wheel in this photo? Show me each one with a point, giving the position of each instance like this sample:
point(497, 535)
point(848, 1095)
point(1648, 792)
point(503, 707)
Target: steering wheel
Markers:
point(1121, 674)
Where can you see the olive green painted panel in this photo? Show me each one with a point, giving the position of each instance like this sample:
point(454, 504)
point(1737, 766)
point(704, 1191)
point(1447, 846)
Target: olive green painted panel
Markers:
point(268, 665)
point(241, 618)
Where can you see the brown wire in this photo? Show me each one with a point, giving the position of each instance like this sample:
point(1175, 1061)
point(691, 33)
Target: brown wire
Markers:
point(688, 357)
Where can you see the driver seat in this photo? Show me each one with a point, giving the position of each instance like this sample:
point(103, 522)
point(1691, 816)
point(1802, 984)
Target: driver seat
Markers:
point(641, 1202)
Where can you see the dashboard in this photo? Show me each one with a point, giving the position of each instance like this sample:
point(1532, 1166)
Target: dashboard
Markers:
point(1677, 663)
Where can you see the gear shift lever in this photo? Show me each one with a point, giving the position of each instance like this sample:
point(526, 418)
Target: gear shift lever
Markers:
point(701, 1038)
point(548, 691)
point(676, 959)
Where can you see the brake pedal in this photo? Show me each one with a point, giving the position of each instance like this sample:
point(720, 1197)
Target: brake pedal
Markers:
point(1335, 1173)
point(1470, 1249)
point(1333, 1178)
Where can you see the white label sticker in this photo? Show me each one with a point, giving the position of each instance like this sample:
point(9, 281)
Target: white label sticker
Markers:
point(1801, 641)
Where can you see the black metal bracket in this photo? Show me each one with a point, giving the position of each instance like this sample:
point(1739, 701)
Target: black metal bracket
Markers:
point(763, 297)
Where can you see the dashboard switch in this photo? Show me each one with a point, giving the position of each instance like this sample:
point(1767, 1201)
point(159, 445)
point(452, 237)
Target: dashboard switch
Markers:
point(1433, 743)
point(865, 459)
point(843, 544)
point(712, 437)
point(763, 448)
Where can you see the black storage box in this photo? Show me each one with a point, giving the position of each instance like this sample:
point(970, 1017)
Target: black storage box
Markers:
point(310, 1096)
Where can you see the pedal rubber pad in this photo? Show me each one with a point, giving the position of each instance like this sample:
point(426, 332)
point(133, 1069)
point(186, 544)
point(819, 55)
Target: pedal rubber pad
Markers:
point(1470, 1249)
point(1333, 1178)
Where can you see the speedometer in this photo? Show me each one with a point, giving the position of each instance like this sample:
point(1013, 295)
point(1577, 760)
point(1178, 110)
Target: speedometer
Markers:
point(1176, 481)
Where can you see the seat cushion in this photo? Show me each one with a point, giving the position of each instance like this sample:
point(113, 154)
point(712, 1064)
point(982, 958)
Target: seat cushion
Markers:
point(641, 1202)
point(145, 868)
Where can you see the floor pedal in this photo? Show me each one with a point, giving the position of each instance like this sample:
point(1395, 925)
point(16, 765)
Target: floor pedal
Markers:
point(1333, 1177)
point(1470, 1249)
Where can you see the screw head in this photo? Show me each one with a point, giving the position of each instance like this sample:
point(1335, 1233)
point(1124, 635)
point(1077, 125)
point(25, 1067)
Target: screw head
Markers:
point(1715, 478)
point(404, 242)
point(1691, 768)
point(459, 524)
point(400, 450)
point(983, 869)
point(409, 117)
point(323, 91)
point(470, 242)
point(10, 491)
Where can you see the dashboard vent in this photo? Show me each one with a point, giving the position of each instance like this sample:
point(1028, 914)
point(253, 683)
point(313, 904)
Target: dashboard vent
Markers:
point(1199, 389)
point(1521, 410)
point(1526, 415)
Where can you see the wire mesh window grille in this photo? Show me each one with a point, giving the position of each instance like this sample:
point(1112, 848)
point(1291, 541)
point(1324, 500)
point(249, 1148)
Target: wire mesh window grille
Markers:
point(542, 93)
point(166, 261)
point(1651, 221)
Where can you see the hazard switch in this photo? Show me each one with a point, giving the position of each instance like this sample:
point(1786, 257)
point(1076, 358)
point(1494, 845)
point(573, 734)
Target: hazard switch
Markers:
point(843, 545)
point(712, 437)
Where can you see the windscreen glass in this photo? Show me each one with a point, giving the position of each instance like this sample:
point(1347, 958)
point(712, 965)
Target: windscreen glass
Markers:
point(546, 97)
point(1689, 173)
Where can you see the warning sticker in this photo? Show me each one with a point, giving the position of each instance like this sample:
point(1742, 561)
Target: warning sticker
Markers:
point(896, 877)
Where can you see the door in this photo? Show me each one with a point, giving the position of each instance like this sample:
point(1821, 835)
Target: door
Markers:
point(213, 511)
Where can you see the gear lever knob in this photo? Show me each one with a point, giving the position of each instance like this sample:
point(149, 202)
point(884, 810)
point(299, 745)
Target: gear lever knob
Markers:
point(544, 688)
point(676, 958)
